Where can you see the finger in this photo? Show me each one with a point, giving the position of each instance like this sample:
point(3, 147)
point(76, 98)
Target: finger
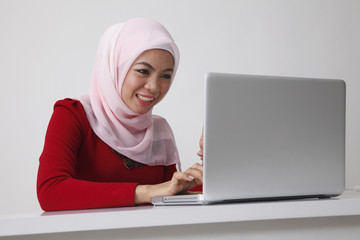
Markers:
point(200, 154)
point(196, 169)
point(183, 176)
point(197, 166)
point(201, 141)
point(179, 180)
point(197, 173)
point(178, 183)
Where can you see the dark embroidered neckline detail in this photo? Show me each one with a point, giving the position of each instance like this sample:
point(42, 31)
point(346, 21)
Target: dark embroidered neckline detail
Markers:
point(129, 164)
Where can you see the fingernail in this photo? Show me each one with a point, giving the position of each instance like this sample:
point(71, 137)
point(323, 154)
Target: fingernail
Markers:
point(191, 177)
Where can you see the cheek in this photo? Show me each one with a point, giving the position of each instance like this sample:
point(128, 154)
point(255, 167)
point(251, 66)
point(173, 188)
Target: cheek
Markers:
point(125, 91)
point(164, 88)
point(129, 86)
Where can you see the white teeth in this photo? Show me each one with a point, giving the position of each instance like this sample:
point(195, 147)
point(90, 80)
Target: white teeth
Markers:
point(146, 99)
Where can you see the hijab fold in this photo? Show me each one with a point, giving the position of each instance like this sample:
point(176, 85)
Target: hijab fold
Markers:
point(145, 138)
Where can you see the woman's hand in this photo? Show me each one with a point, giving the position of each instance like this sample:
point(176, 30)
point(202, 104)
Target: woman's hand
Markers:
point(200, 153)
point(181, 182)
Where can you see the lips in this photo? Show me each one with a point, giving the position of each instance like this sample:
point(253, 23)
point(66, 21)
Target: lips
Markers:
point(144, 99)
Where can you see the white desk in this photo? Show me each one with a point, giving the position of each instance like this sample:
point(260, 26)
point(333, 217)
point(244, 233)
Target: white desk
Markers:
point(324, 218)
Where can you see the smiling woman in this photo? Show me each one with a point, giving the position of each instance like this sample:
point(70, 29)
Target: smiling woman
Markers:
point(148, 80)
point(107, 149)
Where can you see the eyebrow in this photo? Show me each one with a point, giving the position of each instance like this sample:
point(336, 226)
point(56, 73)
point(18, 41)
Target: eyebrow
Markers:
point(152, 68)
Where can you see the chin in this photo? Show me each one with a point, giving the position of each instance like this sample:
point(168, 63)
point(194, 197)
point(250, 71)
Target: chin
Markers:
point(142, 111)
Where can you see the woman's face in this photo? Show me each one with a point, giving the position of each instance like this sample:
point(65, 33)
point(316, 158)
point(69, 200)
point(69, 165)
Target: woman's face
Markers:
point(148, 80)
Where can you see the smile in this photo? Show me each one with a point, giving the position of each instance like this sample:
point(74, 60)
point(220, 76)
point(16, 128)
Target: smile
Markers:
point(145, 99)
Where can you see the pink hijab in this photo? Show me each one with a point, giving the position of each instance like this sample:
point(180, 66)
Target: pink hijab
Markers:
point(145, 138)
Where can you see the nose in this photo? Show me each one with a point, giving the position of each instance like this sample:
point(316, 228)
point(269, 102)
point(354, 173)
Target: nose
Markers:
point(153, 84)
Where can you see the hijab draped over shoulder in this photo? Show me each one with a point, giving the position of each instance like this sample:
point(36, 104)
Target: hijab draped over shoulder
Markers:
point(145, 138)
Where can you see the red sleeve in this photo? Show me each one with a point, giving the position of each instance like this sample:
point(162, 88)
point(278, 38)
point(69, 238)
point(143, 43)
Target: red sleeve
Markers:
point(57, 185)
point(197, 188)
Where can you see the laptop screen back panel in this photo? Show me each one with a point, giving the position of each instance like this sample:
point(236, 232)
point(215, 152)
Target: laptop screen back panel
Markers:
point(271, 137)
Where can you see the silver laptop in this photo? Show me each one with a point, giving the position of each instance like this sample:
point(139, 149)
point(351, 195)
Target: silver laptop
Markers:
point(268, 137)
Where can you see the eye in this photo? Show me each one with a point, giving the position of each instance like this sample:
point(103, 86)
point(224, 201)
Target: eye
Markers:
point(166, 76)
point(142, 71)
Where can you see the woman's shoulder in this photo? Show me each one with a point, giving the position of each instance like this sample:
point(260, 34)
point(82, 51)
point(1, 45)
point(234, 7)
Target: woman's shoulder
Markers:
point(68, 103)
point(71, 108)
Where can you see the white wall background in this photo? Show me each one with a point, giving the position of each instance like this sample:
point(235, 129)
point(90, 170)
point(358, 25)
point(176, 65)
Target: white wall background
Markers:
point(47, 50)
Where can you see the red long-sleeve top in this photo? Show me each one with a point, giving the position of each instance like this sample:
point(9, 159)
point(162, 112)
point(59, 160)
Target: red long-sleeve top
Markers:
point(79, 171)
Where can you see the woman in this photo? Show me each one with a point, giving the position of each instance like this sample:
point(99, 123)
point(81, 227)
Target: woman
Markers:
point(107, 149)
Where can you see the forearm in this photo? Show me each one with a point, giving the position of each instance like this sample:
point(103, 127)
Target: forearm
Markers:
point(68, 193)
